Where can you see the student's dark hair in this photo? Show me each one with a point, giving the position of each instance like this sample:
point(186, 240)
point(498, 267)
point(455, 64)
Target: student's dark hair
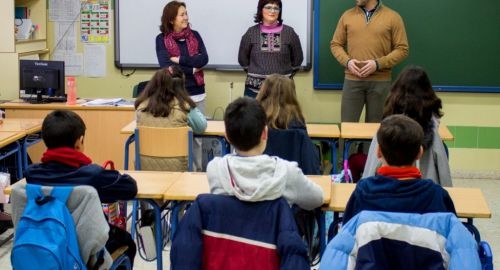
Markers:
point(412, 95)
point(62, 128)
point(400, 138)
point(278, 98)
point(245, 120)
point(169, 14)
point(166, 85)
point(258, 16)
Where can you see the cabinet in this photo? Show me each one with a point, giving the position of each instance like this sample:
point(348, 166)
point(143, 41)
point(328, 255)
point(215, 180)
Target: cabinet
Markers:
point(11, 50)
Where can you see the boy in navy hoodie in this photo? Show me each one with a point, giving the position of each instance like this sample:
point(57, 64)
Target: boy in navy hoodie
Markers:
point(397, 186)
point(64, 163)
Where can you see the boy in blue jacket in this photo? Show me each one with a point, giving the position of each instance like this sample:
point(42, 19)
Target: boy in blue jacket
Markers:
point(64, 163)
point(397, 186)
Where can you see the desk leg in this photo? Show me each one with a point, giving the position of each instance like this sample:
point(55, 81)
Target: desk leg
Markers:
point(174, 219)
point(158, 234)
point(129, 140)
point(19, 159)
point(322, 234)
point(135, 205)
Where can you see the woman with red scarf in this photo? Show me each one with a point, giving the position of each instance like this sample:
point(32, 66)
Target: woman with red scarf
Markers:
point(178, 45)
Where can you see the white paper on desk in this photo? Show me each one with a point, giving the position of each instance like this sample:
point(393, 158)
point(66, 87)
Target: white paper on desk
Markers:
point(94, 60)
point(64, 10)
point(73, 62)
point(65, 37)
point(103, 102)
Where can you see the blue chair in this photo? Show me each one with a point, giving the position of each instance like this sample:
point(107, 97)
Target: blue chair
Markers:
point(159, 143)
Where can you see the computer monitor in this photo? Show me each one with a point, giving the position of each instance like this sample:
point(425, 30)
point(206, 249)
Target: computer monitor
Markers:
point(41, 81)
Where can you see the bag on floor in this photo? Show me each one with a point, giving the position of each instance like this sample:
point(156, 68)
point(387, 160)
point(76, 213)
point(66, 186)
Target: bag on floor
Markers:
point(45, 236)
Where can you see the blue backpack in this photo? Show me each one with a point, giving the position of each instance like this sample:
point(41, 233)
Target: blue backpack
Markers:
point(45, 236)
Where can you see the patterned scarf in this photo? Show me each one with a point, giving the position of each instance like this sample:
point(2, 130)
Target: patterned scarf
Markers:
point(192, 46)
point(67, 156)
point(400, 172)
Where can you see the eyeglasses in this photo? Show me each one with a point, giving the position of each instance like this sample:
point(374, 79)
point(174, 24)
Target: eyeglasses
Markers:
point(272, 9)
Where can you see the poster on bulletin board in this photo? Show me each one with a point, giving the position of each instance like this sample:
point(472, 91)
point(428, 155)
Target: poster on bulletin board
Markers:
point(94, 21)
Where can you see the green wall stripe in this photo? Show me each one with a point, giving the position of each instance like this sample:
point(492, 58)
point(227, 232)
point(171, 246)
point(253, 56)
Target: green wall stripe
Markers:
point(475, 137)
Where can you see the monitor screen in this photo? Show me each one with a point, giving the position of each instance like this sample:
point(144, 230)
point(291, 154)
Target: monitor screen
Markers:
point(41, 81)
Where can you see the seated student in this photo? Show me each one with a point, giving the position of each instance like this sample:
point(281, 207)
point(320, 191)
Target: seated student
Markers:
point(166, 103)
point(412, 95)
point(278, 98)
point(250, 175)
point(398, 185)
point(64, 163)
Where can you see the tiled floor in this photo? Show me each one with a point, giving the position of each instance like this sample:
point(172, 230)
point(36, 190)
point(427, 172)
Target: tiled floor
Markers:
point(488, 227)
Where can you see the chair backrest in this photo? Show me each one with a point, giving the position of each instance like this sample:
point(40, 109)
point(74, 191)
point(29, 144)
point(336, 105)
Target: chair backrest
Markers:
point(85, 208)
point(163, 142)
point(220, 230)
point(386, 240)
point(138, 88)
point(294, 145)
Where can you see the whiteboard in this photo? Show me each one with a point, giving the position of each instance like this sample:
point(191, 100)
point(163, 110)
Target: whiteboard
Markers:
point(221, 23)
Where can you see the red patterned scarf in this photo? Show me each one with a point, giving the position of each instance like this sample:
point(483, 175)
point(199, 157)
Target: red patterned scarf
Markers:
point(192, 46)
point(67, 156)
point(400, 172)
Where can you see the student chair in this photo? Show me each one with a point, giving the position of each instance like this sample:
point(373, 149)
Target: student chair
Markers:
point(280, 142)
point(160, 143)
point(163, 143)
point(309, 223)
point(388, 240)
point(138, 88)
point(85, 207)
point(222, 232)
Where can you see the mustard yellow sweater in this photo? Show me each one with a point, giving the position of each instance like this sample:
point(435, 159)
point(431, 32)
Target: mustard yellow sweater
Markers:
point(382, 38)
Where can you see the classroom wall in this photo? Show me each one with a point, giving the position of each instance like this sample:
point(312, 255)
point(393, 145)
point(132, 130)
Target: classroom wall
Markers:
point(473, 118)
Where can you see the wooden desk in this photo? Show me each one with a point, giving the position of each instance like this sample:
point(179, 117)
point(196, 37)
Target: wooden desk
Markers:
point(366, 131)
point(102, 139)
point(191, 184)
point(469, 202)
point(8, 137)
point(152, 185)
point(27, 125)
point(217, 128)
point(324, 132)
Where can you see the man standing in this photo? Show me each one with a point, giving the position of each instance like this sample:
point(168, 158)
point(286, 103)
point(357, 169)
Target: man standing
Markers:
point(369, 40)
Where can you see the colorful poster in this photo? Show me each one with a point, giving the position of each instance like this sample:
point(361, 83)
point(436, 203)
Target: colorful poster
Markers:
point(94, 21)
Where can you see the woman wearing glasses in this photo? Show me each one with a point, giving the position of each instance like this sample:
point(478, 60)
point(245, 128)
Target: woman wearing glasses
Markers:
point(268, 47)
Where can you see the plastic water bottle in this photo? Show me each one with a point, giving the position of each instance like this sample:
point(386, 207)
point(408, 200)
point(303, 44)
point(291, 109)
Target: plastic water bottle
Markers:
point(71, 90)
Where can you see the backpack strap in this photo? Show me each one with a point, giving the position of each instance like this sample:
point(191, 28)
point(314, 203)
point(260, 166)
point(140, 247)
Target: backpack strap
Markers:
point(62, 193)
point(34, 192)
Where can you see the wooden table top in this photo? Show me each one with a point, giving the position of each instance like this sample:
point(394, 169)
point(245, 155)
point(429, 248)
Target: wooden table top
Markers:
point(191, 184)
point(217, 128)
point(366, 131)
point(8, 137)
point(28, 125)
point(19, 104)
point(152, 185)
point(187, 187)
point(469, 202)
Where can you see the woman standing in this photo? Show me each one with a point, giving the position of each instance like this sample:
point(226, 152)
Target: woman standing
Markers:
point(268, 47)
point(178, 45)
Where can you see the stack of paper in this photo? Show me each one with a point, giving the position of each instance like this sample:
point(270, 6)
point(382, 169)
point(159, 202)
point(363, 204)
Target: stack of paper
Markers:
point(109, 102)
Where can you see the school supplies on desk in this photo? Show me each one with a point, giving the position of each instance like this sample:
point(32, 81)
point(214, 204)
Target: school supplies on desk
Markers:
point(109, 102)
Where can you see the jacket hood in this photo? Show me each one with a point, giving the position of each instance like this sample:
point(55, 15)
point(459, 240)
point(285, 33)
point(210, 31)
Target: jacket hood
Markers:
point(255, 178)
